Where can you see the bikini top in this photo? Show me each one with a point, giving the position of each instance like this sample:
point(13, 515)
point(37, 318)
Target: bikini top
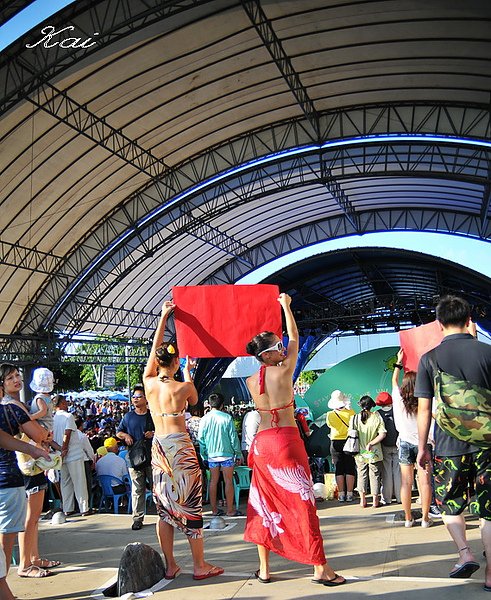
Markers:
point(174, 414)
point(275, 417)
point(181, 413)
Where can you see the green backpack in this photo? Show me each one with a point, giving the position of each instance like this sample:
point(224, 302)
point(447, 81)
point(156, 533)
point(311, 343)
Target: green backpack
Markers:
point(463, 409)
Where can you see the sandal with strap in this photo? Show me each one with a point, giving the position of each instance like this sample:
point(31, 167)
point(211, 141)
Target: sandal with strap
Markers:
point(34, 572)
point(45, 563)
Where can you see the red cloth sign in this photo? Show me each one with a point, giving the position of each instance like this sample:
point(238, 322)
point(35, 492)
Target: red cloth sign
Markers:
point(418, 340)
point(216, 321)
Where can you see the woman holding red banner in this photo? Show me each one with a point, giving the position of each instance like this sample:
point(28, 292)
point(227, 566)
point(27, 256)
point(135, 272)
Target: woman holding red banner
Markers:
point(177, 481)
point(281, 513)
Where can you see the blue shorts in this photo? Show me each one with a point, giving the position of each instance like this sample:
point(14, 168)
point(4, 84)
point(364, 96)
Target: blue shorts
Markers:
point(13, 505)
point(407, 453)
point(230, 462)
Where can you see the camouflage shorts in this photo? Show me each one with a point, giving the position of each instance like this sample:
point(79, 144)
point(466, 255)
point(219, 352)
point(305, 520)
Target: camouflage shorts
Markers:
point(457, 478)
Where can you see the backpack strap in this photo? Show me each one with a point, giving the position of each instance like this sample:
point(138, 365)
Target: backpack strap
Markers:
point(433, 364)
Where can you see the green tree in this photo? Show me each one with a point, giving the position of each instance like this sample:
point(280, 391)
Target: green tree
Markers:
point(68, 376)
point(102, 352)
point(307, 377)
point(136, 373)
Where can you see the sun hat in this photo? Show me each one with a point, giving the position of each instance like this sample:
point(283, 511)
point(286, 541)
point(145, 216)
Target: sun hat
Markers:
point(337, 400)
point(383, 399)
point(42, 381)
point(110, 442)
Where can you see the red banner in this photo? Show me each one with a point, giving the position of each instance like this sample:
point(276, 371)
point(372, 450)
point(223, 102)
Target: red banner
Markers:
point(417, 341)
point(217, 321)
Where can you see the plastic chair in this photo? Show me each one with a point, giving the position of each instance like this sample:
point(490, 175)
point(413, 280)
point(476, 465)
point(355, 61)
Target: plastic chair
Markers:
point(242, 481)
point(220, 481)
point(122, 454)
point(106, 482)
point(148, 493)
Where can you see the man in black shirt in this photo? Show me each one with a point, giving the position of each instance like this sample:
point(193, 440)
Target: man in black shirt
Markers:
point(458, 466)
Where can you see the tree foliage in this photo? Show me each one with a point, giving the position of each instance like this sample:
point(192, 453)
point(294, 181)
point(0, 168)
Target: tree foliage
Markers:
point(102, 353)
point(307, 377)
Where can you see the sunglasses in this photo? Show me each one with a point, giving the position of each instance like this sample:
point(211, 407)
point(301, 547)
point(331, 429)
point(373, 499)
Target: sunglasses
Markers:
point(278, 346)
point(138, 396)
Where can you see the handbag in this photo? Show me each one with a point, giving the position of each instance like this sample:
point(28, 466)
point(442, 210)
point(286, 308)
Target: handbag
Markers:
point(140, 452)
point(352, 444)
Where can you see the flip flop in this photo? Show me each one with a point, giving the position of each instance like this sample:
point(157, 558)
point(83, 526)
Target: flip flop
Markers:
point(261, 579)
point(464, 571)
point(213, 572)
point(237, 513)
point(487, 588)
point(34, 572)
point(45, 563)
point(330, 582)
point(219, 513)
point(173, 576)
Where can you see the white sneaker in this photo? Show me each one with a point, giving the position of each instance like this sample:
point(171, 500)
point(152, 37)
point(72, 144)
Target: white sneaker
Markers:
point(409, 523)
point(427, 523)
point(342, 497)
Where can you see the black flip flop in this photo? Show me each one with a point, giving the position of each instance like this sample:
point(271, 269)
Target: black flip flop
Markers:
point(464, 571)
point(329, 582)
point(260, 579)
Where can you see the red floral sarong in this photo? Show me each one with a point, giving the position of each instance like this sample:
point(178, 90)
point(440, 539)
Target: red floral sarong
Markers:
point(281, 512)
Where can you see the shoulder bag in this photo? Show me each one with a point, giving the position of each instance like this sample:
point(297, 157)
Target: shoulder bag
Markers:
point(352, 444)
point(140, 452)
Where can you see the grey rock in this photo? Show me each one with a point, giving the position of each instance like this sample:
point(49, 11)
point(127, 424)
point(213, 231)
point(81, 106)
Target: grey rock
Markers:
point(140, 568)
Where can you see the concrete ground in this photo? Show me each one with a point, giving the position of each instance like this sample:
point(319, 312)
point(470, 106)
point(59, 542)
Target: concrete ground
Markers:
point(379, 557)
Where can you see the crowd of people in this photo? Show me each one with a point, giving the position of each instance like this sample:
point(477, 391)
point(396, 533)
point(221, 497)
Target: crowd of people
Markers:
point(179, 454)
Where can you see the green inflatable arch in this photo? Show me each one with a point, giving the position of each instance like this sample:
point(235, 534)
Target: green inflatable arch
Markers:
point(366, 373)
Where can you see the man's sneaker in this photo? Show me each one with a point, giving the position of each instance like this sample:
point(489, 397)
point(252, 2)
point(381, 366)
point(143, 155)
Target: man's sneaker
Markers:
point(409, 523)
point(435, 512)
point(349, 496)
point(137, 525)
point(427, 523)
point(342, 497)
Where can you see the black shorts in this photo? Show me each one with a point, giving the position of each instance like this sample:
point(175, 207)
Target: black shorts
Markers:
point(35, 483)
point(344, 463)
point(456, 478)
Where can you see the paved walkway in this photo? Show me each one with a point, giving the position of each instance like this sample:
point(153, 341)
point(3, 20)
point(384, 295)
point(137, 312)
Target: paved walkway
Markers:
point(380, 559)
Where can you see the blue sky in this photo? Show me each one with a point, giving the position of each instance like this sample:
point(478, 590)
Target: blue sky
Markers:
point(472, 253)
point(35, 13)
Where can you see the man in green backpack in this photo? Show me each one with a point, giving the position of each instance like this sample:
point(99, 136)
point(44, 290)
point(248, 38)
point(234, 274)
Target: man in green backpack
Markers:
point(457, 465)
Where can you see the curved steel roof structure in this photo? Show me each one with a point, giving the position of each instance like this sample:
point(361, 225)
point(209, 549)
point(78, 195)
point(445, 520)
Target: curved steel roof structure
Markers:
point(151, 143)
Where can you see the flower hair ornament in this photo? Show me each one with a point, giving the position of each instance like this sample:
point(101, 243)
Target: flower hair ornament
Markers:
point(170, 349)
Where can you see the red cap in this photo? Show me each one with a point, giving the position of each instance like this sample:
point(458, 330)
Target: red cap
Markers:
point(383, 399)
